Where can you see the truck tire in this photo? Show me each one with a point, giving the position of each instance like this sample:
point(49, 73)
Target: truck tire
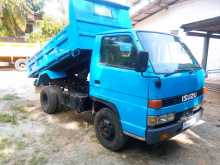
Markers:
point(108, 130)
point(49, 100)
point(20, 64)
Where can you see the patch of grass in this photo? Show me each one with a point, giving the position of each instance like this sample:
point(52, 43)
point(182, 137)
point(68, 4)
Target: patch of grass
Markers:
point(38, 160)
point(20, 145)
point(19, 162)
point(5, 145)
point(18, 108)
point(7, 118)
point(11, 116)
point(10, 97)
point(4, 142)
point(8, 147)
point(19, 111)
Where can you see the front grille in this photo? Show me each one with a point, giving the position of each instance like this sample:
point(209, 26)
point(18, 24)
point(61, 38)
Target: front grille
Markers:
point(177, 99)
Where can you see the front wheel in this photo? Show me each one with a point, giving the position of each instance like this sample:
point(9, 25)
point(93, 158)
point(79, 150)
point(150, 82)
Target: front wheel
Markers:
point(108, 130)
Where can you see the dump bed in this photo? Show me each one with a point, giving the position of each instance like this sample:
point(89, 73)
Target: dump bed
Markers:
point(86, 19)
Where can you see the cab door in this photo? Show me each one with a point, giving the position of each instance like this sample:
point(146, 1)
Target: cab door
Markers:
point(114, 79)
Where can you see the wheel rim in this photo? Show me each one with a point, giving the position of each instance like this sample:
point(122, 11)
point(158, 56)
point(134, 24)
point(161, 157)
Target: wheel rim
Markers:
point(106, 129)
point(22, 66)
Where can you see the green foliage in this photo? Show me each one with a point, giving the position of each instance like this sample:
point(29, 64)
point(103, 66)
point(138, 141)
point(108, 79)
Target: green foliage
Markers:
point(47, 28)
point(7, 118)
point(14, 14)
point(4, 142)
point(3, 31)
point(38, 160)
point(20, 145)
point(36, 5)
point(10, 97)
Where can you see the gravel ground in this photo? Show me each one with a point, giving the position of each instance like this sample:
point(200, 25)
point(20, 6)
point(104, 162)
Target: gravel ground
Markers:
point(30, 137)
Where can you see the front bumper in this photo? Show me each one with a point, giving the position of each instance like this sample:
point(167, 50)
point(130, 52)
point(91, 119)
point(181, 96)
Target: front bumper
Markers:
point(156, 135)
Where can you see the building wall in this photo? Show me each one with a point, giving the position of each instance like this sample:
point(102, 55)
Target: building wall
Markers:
point(183, 13)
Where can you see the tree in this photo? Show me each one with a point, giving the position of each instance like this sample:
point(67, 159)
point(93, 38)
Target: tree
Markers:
point(36, 6)
point(52, 22)
point(47, 28)
point(15, 13)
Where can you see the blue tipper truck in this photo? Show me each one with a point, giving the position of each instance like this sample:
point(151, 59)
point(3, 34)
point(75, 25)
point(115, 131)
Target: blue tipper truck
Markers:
point(142, 84)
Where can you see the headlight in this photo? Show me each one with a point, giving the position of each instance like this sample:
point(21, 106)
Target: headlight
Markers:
point(159, 120)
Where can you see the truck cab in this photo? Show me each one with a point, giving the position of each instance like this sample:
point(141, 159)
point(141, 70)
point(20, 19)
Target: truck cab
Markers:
point(151, 79)
point(142, 84)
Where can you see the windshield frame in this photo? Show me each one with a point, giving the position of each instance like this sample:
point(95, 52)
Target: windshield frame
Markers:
point(188, 51)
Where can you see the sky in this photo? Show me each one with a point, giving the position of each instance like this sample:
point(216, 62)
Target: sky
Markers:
point(55, 9)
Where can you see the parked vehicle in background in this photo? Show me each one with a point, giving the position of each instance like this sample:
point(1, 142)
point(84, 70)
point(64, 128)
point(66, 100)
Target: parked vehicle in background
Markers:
point(16, 54)
point(142, 84)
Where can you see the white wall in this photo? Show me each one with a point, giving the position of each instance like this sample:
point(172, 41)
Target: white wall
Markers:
point(183, 13)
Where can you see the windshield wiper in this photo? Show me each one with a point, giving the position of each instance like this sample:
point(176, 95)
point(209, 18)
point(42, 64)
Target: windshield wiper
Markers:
point(179, 71)
point(190, 70)
point(195, 67)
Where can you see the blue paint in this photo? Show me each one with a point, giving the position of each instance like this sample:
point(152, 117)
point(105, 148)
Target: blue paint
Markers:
point(53, 74)
point(83, 26)
point(125, 88)
point(130, 92)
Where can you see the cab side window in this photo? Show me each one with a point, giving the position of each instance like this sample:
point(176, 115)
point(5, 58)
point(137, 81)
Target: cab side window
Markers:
point(118, 51)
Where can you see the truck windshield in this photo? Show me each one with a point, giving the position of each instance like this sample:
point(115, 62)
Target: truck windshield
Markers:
point(167, 53)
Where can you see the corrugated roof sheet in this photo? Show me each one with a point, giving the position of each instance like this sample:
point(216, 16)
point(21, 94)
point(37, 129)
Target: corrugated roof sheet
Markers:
point(146, 10)
point(211, 25)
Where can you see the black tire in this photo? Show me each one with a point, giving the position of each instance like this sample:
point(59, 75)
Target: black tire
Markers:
point(108, 130)
point(49, 100)
point(20, 64)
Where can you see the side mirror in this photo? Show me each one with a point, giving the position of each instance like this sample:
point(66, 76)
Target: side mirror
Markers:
point(142, 61)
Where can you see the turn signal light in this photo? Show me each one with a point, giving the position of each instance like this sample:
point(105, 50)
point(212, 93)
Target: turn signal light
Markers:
point(205, 90)
point(155, 103)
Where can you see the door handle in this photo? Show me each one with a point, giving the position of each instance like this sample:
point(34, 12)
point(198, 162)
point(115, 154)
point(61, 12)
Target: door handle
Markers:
point(97, 82)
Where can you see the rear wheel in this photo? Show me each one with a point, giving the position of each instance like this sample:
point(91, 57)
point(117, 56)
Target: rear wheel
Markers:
point(20, 65)
point(49, 100)
point(108, 130)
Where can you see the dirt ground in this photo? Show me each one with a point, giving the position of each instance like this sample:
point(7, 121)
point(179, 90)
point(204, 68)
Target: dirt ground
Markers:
point(30, 137)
